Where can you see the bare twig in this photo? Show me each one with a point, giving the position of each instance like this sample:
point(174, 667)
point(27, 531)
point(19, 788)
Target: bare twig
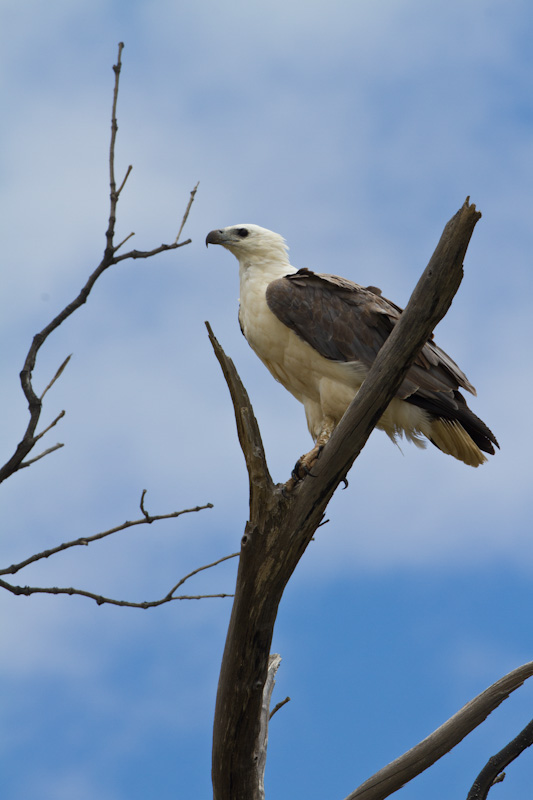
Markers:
point(113, 194)
point(187, 210)
point(129, 236)
point(200, 569)
point(52, 424)
point(141, 504)
point(122, 185)
point(163, 248)
point(85, 540)
point(492, 771)
point(279, 705)
point(43, 454)
point(56, 376)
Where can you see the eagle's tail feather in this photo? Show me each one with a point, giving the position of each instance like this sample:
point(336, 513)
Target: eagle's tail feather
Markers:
point(450, 437)
point(445, 420)
point(453, 428)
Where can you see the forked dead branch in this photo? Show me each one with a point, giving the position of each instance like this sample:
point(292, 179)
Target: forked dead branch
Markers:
point(19, 459)
point(110, 258)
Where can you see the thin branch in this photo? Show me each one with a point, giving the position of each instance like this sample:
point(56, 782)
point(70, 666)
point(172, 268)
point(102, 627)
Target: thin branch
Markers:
point(113, 194)
point(123, 242)
point(122, 185)
point(423, 755)
point(278, 706)
point(56, 376)
point(52, 424)
point(141, 505)
point(147, 519)
point(200, 569)
point(100, 599)
point(187, 210)
point(46, 452)
point(492, 771)
point(41, 455)
point(163, 248)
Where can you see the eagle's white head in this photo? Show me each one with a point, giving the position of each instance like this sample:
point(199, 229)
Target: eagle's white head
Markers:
point(251, 243)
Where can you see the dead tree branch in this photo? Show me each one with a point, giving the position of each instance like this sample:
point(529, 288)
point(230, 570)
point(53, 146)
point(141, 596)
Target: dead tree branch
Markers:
point(187, 210)
point(492, 771)
point(146, 519)
point(423, 755)
point(109, 259)
point(282, 523)
point(54, 379)
point(101, 600)
point(278, 706)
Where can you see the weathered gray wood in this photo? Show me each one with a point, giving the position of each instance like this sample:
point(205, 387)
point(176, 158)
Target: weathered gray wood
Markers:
point(437, 744)
point(273, 665)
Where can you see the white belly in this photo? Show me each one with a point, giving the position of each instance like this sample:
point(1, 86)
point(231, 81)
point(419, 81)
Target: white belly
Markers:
point(325, 387)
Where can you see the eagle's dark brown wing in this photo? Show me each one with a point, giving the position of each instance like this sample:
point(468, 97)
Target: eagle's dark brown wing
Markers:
point(346, 322)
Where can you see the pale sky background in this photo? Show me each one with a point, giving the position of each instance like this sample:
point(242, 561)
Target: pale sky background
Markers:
point(355, 129)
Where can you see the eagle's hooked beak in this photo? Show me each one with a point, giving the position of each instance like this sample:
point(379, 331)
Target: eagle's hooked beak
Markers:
point(215, 237)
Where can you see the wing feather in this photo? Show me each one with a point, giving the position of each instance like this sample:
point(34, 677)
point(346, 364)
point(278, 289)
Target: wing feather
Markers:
point(346, 322)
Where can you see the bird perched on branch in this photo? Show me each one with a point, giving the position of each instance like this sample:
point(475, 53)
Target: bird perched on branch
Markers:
point(319, 334)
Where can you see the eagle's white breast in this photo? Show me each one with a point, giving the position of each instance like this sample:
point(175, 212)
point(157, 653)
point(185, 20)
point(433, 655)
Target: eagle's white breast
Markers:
point(325, 387)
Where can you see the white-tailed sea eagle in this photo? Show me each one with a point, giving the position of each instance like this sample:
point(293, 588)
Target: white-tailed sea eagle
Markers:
point(319, 334)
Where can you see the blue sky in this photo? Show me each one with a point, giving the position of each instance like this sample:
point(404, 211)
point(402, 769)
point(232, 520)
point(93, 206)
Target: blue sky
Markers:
point(355, 129)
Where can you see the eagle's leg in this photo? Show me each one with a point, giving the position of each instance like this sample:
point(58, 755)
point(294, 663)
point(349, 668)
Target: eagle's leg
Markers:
point(305, 464)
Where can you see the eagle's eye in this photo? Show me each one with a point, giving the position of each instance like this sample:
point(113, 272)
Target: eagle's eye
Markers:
point(242, 232)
